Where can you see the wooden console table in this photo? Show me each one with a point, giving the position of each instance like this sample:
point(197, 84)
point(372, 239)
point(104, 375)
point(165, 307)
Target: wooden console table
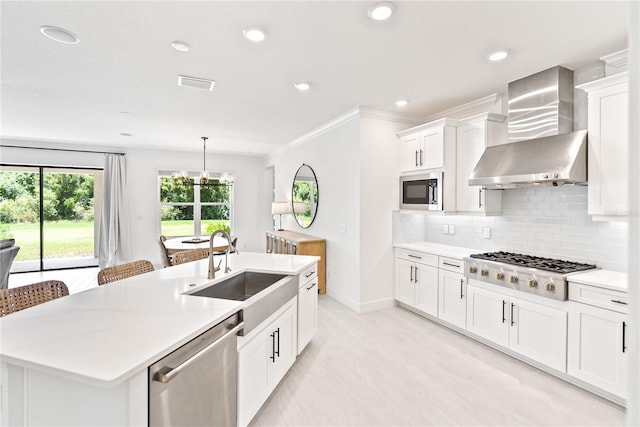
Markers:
point(290, 242)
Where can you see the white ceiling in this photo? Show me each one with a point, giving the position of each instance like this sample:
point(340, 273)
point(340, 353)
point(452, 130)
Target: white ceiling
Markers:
point(432, 53)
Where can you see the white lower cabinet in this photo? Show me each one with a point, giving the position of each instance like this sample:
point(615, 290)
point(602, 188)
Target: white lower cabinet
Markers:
point(452, 304)
point(597, 352)
point(264, 357)
point(533, 330)
point(307, 307)
point(416, 285)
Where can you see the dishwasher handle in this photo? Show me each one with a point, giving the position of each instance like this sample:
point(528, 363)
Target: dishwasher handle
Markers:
point(164, 376)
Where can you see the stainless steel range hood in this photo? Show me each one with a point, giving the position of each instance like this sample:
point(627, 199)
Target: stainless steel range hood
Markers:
point(542, 148)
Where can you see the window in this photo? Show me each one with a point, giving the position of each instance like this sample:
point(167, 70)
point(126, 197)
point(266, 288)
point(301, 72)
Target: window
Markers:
point(191, 209)
point(50, 212)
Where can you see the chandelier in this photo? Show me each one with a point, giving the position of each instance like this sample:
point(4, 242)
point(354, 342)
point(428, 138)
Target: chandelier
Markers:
point(182, 177)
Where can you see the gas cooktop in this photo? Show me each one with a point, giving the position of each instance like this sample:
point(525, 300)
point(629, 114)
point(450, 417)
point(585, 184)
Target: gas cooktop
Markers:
point(529, 261)
point(545, 277)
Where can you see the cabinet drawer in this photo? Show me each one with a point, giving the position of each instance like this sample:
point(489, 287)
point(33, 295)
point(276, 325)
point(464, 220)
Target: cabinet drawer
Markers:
point(452, 264)
point(599, 297)
point(308, 275)
point(420, 257)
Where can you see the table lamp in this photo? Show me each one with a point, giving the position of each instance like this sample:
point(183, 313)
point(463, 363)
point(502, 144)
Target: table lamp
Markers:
point(279, 208)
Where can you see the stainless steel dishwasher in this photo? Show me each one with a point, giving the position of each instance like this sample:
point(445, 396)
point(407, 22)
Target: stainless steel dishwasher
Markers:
point(196, 384)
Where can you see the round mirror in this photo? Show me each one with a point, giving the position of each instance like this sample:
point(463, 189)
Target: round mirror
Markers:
point(304, 196)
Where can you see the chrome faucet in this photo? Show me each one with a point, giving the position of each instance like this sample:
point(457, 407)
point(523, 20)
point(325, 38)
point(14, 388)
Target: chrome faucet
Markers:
point(230, 247)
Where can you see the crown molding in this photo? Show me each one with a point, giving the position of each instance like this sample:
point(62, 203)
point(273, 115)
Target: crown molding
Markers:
point(355, 113)
point(619, 59)
point(470, 109)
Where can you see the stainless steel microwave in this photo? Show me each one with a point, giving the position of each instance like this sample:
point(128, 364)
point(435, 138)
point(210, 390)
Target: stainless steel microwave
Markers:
point(422, 191)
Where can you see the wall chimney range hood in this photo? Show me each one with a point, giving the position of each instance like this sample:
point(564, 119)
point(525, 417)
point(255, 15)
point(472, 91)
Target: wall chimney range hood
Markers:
point(542, 149)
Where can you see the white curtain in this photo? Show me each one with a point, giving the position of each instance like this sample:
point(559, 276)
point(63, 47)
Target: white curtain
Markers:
point(115, 246)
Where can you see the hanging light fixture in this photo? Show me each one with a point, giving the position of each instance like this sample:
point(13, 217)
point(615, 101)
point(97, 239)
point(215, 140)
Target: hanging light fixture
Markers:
point(182, 177)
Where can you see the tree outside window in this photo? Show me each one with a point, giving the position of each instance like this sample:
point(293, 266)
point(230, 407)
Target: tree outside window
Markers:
point(197, 210)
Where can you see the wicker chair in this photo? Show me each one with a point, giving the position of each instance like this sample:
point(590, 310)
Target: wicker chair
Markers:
point(166, 258)
point(190, 255)
point(119, 272)
point(16, 299)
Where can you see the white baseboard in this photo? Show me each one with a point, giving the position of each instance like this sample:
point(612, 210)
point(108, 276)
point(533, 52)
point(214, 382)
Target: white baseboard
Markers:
point(362, 307)
point(376, 305)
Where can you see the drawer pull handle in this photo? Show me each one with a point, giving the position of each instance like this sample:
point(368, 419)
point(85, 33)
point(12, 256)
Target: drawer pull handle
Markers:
point(511, 314)
point(504, 303)
point(311, 286)
point(618, 302)
point(311, 273)
point(624, 332)
point(414, 256)
point(450, 265)
point(461, 286)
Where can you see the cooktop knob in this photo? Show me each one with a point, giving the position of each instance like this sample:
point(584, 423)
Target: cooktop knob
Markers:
point(513, 279)
point(555, 175)
point(532, 283)
point(499, 276)
point(473, 269)
point(550, 286)
point(484, 272)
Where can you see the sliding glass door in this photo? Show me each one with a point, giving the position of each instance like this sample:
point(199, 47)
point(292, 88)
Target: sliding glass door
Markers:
point(51, 213)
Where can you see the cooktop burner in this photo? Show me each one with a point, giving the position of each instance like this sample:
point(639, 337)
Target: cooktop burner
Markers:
point(547, 264)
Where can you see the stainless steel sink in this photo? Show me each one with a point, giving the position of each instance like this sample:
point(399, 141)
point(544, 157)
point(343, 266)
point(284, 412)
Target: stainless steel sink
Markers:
point(264, 293)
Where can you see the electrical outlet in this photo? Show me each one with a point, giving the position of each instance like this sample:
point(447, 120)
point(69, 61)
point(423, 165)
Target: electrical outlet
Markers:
point(452, 229)
point(486, 232)
point(445, 229)
point(343, 228)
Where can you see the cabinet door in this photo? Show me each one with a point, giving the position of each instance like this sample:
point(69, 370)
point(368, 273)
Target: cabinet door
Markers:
point(487, 315)
point(307, 313)
point(284, 333)
point(404, 287)
point(538, 332)
point(253, 376)
point(431, 148)
point(452, 306)
point(410, 153)
point(470, 142)
point(597, 352)
point(607, 151)
point(426, 288)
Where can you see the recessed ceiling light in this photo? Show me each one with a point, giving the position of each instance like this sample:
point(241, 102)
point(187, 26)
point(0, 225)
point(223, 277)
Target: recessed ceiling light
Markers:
point(180, 46)
point(125, 134)
point(302, 86)
point(401, 102)
point(381, 11)
point(498, 55)
point(254, 34)
point(59, 34)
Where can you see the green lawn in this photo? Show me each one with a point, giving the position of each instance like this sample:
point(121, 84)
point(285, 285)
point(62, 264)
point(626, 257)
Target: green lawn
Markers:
point(66, 239)
point(61, 239)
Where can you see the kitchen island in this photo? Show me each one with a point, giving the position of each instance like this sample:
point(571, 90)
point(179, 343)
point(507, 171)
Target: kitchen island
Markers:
point(82, 359)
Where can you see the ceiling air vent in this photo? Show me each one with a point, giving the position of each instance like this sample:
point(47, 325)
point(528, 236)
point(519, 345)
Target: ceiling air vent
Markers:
point(196, 82)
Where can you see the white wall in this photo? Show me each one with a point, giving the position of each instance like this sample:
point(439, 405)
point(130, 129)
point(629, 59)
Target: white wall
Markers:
point(333, 155)
point(143, 189)
point(378, 198)
point(356, 164)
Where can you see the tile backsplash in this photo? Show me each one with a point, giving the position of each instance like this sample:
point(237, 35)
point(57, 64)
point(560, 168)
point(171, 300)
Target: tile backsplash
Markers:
point(549, 222)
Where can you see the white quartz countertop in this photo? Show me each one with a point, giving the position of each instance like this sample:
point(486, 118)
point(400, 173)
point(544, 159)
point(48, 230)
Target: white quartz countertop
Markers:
point(607, 279)
point(104, 335)
point(438, 249)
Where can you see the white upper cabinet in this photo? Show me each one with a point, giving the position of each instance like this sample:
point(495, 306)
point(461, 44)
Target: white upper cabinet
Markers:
point(608, 133)
point(476, 134)
point(425, 146)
